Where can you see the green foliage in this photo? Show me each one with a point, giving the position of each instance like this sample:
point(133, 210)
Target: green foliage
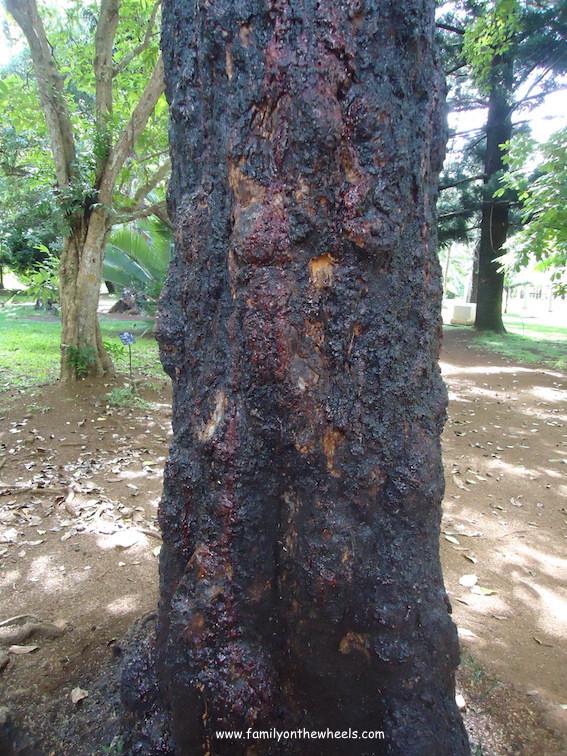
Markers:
point(81, 359)
point(528, 342)
point(489, 37)
point(42, 282)
point(115, 748)
point(106, 117)
point(543, 195)
point(138, 258)
point(30, 351)
point(127, 396)
point(30, 220)
point(27, 231)
point(460, 197)
point(71, 30)
point(29, 348)
point(456, 263)
point(116, 349)
point(506, 54)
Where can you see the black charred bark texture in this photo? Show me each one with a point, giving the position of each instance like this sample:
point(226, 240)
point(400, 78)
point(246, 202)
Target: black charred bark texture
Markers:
point(495, 211)
point(300, 576)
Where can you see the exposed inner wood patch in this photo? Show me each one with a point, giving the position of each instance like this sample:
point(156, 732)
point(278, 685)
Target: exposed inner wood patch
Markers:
point(229, 64)
point(322, 270)
point(301, 191)
point(354, 643)
point(245, 189)
point(208, 429)
point(245, 31)
point(331, 438)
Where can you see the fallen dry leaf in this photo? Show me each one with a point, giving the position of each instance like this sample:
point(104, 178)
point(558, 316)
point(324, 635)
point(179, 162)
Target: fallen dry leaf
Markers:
point(19, 650)
point(10, 535)
point(460, 484)
point(481, 591)
point(542, 643)
point(124, 539)
point(77, 694)
point(468, 580)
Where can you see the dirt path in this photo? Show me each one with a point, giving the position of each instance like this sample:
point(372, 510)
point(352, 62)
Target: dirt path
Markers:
point(79, 491)
point(79, 488)
point(505, 515)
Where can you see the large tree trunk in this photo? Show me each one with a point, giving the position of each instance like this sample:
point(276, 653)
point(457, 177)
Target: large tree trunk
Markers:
point(495, 211)
point(300, 575)
point(82, 350)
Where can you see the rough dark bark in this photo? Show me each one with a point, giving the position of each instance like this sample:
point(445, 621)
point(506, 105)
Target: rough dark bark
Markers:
point(495, 211)
point(300, 323)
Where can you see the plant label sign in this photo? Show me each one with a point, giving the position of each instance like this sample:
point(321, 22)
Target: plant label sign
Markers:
point(127, 338)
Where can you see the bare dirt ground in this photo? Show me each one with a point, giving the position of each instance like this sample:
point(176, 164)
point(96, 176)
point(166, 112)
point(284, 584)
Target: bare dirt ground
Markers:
point(79, 487)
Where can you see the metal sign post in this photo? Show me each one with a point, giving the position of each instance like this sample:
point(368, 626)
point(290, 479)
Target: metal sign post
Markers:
point(128, 338)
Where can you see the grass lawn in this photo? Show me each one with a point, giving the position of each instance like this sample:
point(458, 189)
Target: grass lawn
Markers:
point(529, 340)
point(30, 351)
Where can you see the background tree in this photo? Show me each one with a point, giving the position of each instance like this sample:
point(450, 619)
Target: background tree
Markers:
point(514, 50)
point(543, 194)
point(300, 576)
point(99, 82)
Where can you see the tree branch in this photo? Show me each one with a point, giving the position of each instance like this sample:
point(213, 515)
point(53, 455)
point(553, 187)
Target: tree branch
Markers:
point(156, 179)
point(51, 87)
point(144, 44)
point(450, 27)
point(126, 215)
point(472, 145)
point(461, 181)
point(476, 130)
point(104, 43)
point(458, 213)
point(127, 139)
point(151, 156)
point(475, 104)
point(456, 68)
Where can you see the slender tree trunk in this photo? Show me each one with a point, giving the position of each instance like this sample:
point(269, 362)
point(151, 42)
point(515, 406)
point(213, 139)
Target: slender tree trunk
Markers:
point(300, 576)
point(472, 286)
point(446, 274)
point(82, 350)
point(495, 211)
